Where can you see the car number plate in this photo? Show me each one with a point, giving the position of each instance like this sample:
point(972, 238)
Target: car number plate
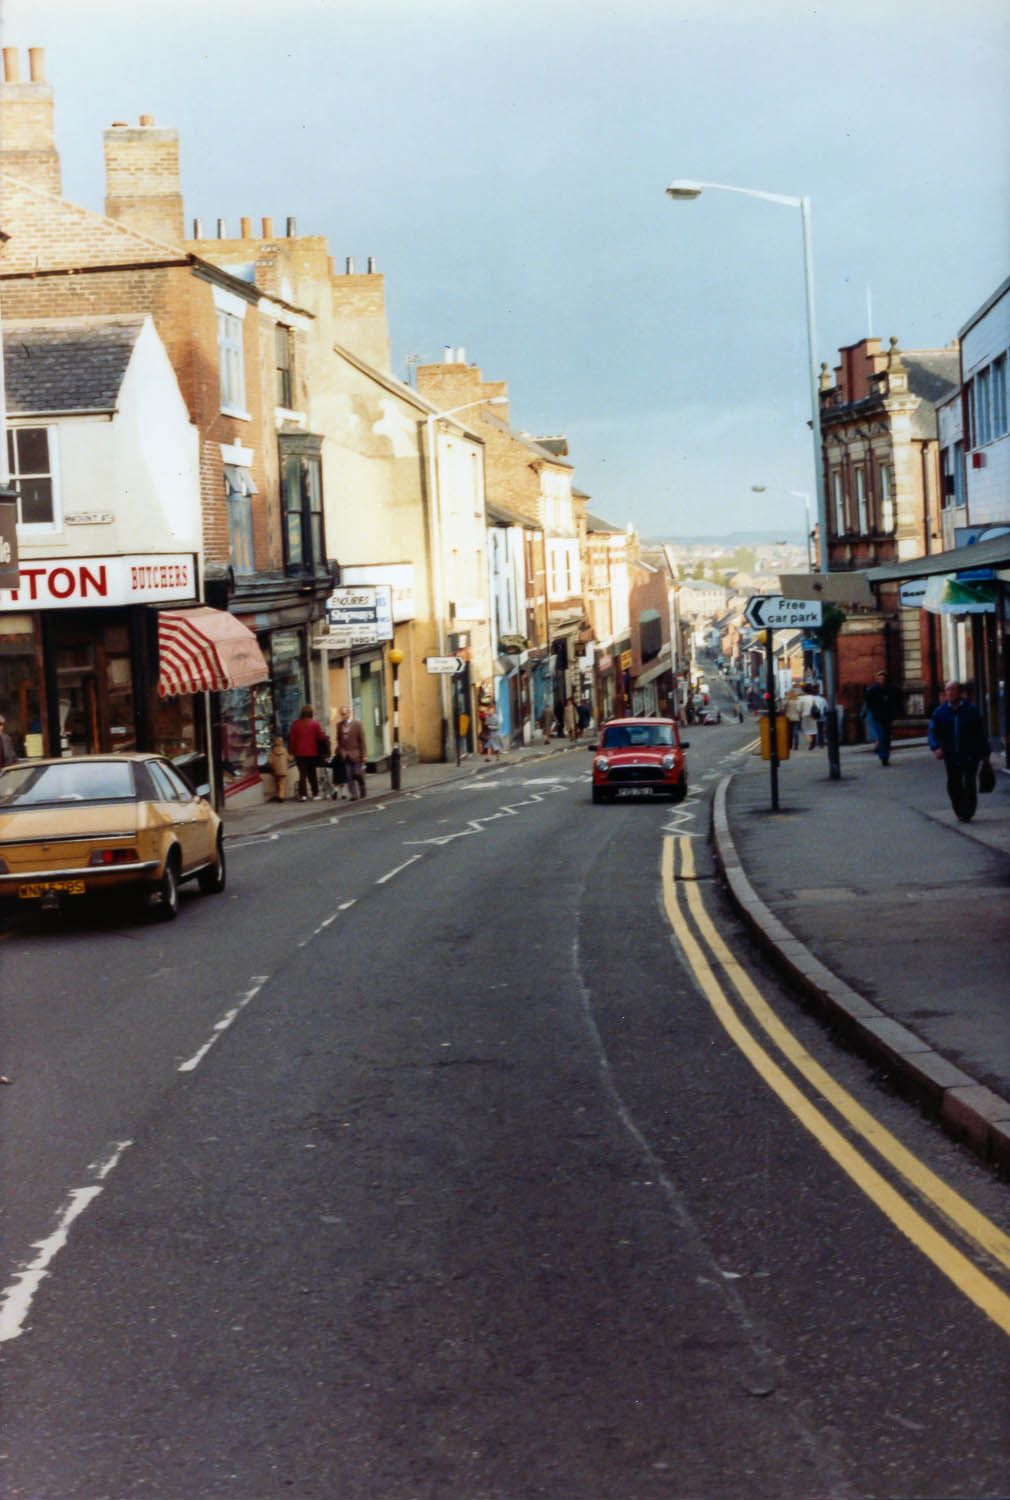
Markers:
point(43, 888)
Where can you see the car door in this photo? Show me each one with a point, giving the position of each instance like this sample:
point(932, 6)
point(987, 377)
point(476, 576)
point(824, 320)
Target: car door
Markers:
point(184, 809)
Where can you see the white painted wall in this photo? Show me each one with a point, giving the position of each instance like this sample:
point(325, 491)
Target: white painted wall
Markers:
point(988, 487)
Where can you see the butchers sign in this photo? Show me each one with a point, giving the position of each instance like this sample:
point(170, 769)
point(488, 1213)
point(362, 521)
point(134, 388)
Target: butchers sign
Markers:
point(83, 582)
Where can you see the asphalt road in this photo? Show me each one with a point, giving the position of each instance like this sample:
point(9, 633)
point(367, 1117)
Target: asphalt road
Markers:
point(419, 1166)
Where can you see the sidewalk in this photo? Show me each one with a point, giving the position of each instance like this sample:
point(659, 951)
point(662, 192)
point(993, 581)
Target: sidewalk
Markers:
point(265, 817)
point(890, 914)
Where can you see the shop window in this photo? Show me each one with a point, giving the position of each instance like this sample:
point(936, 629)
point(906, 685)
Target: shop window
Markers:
point(286, 651)
point(119, 690)
point(284, 395)
point(301, 479)
point(20, 688)
point(237, 737)
point(30, 458)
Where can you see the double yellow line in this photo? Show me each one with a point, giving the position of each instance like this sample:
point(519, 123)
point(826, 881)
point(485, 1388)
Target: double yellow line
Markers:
point(974, 1227)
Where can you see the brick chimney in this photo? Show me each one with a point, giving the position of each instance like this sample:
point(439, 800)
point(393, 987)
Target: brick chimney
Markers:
point(27, 136)
point(142, 187)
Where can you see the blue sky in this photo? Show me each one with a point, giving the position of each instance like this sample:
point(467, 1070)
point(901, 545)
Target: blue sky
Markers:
point(506, 161)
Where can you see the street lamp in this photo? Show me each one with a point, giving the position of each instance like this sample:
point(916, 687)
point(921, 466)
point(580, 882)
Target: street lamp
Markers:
point(684, 190)
point(762, 489)
point(435, 539)
point(395, 658)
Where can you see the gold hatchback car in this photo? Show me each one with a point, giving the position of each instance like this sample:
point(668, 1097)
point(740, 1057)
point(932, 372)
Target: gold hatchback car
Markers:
point(125, 824)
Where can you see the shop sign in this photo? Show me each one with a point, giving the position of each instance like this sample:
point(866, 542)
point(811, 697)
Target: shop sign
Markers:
point(398, 576)
point(8, 544)
point(359, 616)
point(626, 660)
point(605, 661)
point(96, 582)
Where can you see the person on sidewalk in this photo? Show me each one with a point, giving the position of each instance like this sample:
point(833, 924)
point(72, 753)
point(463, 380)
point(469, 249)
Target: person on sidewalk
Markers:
point(808, 718)
point(547, 722)
point(8, 754)
point(279, 764)
point(492, 723)
point(794, 713)
point(571, 719)
point(881, 704)
point(305, 741)
point(351, 745)
point(957, 737)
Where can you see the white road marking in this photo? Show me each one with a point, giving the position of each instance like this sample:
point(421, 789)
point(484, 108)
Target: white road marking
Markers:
point(17, 1298)
point(477, 825)
point(259, 980)
point(389, 875)
point(348, 904)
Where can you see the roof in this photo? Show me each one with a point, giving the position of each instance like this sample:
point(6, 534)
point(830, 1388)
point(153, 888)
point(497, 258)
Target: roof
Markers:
point(71, 238)
point(992, 553)
point(525, 439)
point(597, 523)
point(69, 365)
point(987, 306)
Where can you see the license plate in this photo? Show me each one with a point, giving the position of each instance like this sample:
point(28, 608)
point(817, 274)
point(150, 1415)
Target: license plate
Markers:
point(44, 887)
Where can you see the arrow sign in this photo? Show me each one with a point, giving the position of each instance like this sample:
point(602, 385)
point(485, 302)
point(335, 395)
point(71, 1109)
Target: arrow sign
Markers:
point(773, 612)
point(447, 666)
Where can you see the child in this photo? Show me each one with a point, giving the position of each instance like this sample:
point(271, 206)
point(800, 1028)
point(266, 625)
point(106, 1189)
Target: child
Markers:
point(279, 763)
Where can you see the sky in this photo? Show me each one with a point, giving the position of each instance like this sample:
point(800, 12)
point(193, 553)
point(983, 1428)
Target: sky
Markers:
point(505, 161)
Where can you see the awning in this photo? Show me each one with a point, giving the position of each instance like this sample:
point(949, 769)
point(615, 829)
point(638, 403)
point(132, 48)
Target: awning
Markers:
point(659, 666)
point(206, 650)
point(993, 552)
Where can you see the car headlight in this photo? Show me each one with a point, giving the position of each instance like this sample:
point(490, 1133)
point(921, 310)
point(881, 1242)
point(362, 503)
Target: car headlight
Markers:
point(601, 763)
point(668, 762)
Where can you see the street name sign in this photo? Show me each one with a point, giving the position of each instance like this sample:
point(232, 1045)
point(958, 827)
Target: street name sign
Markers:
point(447, 666)
point(775, 612)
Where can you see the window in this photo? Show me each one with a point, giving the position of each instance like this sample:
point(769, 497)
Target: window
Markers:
point(863, 519)
point(952, 470)
point(232, 362)
point(284, 395)
point(301, 480)
point(983, 415)
point(239, 489)
point(999, 396)
point(886, 499)
point(838, 494)
point(32, 475)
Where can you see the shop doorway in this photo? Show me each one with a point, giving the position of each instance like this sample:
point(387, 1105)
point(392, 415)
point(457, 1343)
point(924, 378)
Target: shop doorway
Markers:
point(77, 697)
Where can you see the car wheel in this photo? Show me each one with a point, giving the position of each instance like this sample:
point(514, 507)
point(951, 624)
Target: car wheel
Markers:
point(679, 791)
point(165, 900)
point(211, 880)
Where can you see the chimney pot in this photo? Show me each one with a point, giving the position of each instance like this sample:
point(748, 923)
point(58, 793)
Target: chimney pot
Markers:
point(37, 64)
point(12, 65)
point(349, 265)
point(371, 265)
point(198, 229)
point(292, 229)
point(147, 119)
point(461, 356)
point(268, 229)
point(246, 227)
point(447, 354)
point(222, 230)
point(119, 125)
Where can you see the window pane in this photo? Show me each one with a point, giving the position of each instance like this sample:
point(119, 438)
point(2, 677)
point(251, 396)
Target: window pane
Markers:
point(11, 465)
point(36, 502)
point(33, 450)
point(294, 536)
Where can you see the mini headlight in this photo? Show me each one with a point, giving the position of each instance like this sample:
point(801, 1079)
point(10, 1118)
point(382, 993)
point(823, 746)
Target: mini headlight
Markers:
point(601, 763)
point(668, 762)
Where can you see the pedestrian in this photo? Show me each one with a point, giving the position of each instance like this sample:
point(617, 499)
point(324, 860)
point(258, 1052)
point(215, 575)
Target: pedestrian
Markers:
point(793, 716)
point(323, 770)
point(571, 719)
point(279, 764)
point(880, 706)
point(351, 745)
point(584, 716)
point(957, 737)
point(8, 754)
point(305, 742)
point(808, 719)
point(821, 716)
point(547, 722)
point(492, 725)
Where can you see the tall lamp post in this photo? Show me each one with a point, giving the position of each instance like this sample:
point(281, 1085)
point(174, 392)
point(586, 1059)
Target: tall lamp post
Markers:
point(395, 658)
point(684, 191)
point(435, 539)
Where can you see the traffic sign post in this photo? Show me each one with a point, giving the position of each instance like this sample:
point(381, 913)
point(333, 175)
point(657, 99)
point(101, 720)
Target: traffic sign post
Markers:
point(773, 758)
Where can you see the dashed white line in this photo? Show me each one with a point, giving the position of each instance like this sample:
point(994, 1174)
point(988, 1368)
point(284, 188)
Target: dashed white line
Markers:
point(390, 873)
point(16, 1302)
point(259, 980)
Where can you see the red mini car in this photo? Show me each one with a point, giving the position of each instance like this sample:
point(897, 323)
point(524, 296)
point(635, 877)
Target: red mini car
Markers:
point(639, 755)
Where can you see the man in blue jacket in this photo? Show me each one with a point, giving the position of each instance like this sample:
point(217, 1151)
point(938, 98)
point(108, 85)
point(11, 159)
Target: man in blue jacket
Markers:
point(957, 737)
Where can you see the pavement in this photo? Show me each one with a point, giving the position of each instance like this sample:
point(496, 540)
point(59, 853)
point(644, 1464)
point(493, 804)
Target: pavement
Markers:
point(266, 817)
point(889, 915)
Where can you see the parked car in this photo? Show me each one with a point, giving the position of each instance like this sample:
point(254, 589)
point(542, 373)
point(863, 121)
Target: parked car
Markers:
point(640, 755)
point(709, 715)
point(127, 825)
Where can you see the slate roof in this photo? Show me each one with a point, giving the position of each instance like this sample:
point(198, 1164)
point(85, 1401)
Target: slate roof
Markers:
point(77, 364)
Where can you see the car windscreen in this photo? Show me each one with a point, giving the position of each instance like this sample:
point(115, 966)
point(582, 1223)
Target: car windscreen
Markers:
point(632, 736)
point(70, 782)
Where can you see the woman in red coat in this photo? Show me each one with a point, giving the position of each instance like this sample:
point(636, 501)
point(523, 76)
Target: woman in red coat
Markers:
point(305, 742)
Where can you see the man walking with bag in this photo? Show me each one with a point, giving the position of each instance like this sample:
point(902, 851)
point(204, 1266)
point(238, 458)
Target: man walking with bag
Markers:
point(957, 737)
point(351, 745)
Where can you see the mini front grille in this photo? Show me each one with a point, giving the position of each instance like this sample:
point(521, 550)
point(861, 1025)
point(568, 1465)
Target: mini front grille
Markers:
point(631, 774)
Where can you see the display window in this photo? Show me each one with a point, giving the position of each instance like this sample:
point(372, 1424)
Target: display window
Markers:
point(368, 697)
point(20, 684)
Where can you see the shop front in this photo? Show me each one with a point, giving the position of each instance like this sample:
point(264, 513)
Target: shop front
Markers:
point(249, 718)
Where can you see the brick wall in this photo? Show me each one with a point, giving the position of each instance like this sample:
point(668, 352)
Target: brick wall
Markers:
point(142, 185)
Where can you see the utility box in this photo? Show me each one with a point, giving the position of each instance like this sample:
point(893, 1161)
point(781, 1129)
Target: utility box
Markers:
point(782, 736)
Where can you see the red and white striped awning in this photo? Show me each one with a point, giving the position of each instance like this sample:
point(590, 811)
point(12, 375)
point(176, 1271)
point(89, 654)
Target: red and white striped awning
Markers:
point(206, 650)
